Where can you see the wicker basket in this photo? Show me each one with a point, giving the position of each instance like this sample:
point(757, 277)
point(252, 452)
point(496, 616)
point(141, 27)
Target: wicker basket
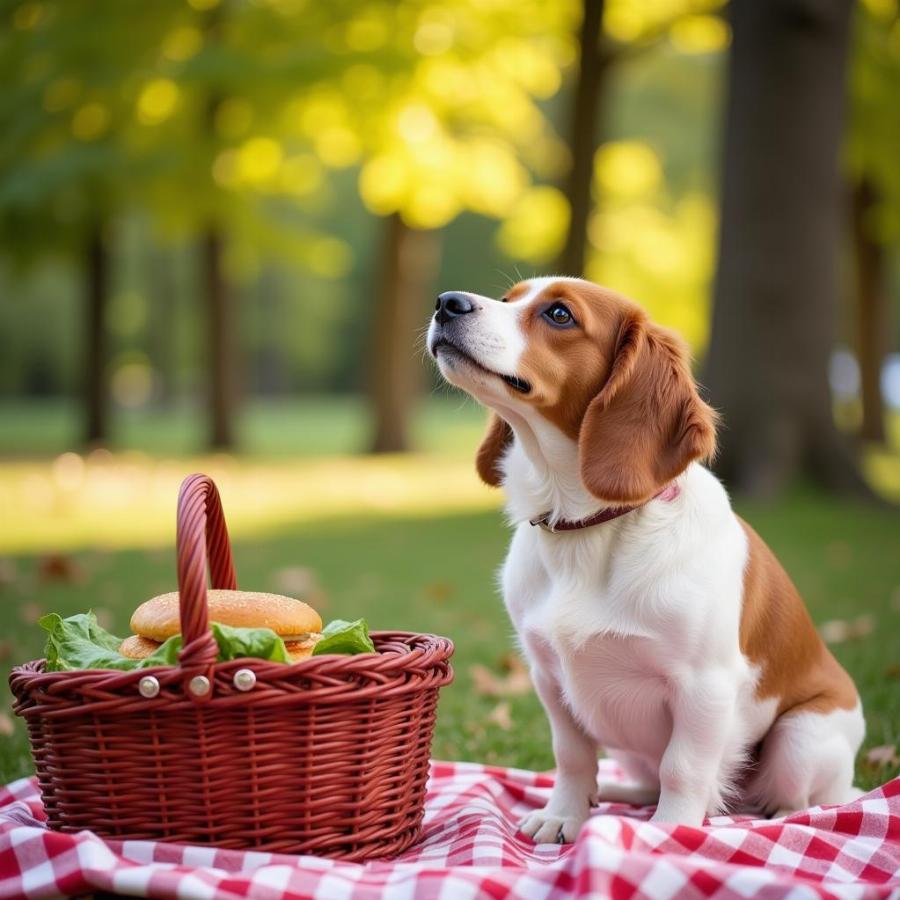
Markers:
point(327, 756)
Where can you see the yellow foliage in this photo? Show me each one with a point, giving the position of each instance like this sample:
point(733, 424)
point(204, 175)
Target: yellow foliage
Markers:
point(328, 257)
point(495, 178)
point(61, 93)
point(233, 118)
point(368, 31)
point(28, 16)
point(883, 9)
point(90, 121)
point(203, 5)
point(258, 160)
point(628, 21)
point(337, 146)
point(362, 82)
point(182, 43)
point(661, 254)
point(432, 205)
point(700, 34)
point(523, 62)
point(536, 227)
point(627, 169)
point(435, 32)
point(301, 175)
point(461, 128)
point(383, 181)
point(157, 101)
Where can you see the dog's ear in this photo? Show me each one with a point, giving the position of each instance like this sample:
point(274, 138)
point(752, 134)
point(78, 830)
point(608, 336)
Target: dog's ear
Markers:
point(647, 423)
point(493, 445)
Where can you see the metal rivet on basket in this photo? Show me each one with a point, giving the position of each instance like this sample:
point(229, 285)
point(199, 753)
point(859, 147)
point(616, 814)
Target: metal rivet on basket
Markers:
point(199, 685)
point(148, 686)
point(244, 679)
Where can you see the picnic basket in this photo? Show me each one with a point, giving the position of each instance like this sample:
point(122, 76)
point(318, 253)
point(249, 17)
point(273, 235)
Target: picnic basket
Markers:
point(326, 756)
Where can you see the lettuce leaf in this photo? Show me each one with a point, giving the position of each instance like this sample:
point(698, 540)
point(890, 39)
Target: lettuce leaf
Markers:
point(261, 643)
point(80, 642)
point(339, 636)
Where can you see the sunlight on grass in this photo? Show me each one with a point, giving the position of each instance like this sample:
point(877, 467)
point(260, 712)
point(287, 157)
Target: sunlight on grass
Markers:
point(129, 499)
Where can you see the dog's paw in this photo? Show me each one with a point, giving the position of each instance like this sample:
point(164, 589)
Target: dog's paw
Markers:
point(547, 826)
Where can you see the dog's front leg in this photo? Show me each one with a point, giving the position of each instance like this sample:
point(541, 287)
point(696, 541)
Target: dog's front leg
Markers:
point(703, 714)
point(576, 778)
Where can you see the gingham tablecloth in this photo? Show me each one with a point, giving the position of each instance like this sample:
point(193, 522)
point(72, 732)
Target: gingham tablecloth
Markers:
point(470, 849)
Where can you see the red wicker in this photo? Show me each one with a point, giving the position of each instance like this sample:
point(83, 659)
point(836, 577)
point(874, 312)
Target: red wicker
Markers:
point(326, 756)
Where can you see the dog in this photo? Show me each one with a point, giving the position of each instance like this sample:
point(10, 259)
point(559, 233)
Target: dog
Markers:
point(657, 624)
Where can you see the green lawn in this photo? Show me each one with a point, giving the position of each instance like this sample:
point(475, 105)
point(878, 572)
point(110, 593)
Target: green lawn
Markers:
point(436, 573)
point(310, 426)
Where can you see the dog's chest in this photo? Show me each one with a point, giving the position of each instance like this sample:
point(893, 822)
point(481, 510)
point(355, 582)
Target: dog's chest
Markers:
point(612, 673)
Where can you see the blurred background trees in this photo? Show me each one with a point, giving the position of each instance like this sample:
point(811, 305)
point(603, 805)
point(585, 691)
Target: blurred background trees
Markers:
point(211, 205)
point(777, 288)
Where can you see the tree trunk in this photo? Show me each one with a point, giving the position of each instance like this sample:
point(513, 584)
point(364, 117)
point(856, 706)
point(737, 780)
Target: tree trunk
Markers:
point(776, 287)
point(583, 138)
point(163, 331)
point(223, 364)
point(405, 296)
point(871, 307)
point(96, 388)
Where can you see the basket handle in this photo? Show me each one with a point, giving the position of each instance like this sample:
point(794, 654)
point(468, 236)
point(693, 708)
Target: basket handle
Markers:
point(201, 540)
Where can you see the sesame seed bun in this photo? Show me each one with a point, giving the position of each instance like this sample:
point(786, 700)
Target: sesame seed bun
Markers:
point(137, 647)
point(158, 619)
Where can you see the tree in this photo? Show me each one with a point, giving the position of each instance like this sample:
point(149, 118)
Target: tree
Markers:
point(592, 62)
point(776, 286)
point(96, 354)
point(612, 33)
point(457, 128)
point(183, 111)
point(874, 201)
point(409, 261)
point(64, 172)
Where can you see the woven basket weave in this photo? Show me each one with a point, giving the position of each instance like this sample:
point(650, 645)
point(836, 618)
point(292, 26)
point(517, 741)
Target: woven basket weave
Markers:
point(326, 756)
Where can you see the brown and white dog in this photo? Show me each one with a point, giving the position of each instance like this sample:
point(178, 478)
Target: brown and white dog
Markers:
point(668, 634)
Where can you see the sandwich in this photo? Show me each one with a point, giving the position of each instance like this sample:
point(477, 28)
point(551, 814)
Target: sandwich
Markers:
point(295, 622)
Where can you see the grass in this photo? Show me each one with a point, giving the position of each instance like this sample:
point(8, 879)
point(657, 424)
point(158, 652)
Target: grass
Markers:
point(409, 543)
point(312, 426)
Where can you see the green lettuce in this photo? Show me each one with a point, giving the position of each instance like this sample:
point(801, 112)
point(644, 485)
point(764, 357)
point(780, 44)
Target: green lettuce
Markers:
point(80, 642)
point(339, 636)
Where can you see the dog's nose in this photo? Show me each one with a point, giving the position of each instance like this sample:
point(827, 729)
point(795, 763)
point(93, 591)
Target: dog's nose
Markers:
point(452, 304)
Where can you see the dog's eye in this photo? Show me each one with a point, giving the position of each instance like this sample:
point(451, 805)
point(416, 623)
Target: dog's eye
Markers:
point(559, 314)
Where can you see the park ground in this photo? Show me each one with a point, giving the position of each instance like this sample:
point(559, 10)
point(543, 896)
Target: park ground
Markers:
point(411, 543)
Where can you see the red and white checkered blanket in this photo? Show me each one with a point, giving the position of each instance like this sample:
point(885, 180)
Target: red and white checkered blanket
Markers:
point(470, 848)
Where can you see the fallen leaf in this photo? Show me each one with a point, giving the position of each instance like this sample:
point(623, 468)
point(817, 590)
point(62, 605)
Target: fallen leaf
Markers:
point(839, 554)
point(501, 716)
point(104, 617)
point(515, 682)
point(8, 572)
point(837, 631)
point(438, 591)
point(5, 650)
point(6, 725)
point(59, 567)
point(301, 583)
point(885, 755)
point(30, 612)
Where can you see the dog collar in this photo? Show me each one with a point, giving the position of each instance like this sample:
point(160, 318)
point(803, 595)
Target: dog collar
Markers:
point(669, 492)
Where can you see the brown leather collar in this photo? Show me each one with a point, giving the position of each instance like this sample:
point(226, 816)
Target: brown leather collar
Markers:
point(598, 518)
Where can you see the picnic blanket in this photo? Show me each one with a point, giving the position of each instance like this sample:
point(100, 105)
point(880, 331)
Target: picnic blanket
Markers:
point(470, 849)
